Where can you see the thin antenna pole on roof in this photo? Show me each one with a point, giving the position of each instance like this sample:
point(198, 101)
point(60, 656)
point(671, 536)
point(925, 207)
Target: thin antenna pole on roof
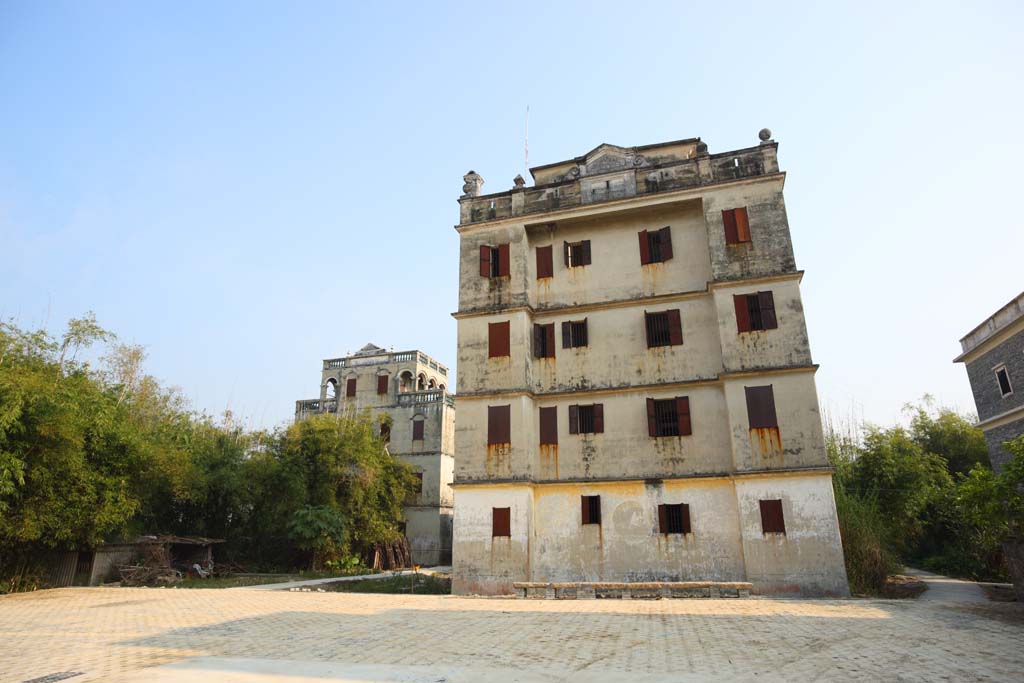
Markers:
point(527, 138)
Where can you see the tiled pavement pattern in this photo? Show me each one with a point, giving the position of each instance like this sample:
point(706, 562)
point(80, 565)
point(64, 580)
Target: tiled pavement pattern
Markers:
point(108, 632)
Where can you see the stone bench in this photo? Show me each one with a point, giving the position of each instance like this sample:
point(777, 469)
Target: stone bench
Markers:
point(651, 590)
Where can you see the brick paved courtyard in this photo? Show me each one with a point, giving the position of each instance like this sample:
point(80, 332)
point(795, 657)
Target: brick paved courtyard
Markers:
point(116, 634)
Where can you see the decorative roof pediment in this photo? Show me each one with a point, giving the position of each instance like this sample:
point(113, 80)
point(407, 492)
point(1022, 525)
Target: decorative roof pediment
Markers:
point(369, 350)
point(604, 158)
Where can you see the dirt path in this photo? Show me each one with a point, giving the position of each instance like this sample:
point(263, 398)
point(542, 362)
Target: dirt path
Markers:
point(944, 589)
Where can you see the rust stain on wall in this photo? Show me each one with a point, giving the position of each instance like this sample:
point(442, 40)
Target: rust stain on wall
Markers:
point(499, 459)
point(766, 442)
point(549, 461)
point(501, 546)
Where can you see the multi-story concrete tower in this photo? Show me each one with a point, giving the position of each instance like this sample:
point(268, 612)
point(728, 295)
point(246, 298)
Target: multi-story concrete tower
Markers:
point(636, 391)
point(407, 391)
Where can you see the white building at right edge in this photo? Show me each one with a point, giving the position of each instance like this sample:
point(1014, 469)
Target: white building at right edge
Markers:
point(636, 391)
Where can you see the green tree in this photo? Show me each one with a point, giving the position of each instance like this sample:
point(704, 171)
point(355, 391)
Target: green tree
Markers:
point(320, 530)
point(906, 481)
point(945, 432)
point(346, 468)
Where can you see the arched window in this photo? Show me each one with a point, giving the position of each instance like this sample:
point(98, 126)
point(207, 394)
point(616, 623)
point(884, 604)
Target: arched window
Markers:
point(332, 388)
point(441, 387)
point(431, 384)
point(405, 382)
point(421, 382)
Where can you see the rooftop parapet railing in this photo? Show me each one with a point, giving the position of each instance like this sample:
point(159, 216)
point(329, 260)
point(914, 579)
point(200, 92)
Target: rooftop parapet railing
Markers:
point(315, 405)
point(702, 170)
point(383, 359)
point(429, 396)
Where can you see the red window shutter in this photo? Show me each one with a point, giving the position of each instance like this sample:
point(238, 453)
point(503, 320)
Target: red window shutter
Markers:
point(772, 520)
point(501, 522)
point(574, 420)
point(417, 430)
point(585, 259)
point(683, 415)
point(686, 519)
point(585, 509)
point(549, 334)
point(598, 418)
point(665, 240)
point(382, 384)
point(729, 218)
point(645, 248)
point(652, 421)
point(498, 339)
point(350, 388)
point(761, 407)
point(586, 337)
point(675, 327)
point(742, 313)
point(662, 519)
point(565, 246)
point(498, 424)
point(767, 304)
point(485, 261)
point(647, 326)
point(549, 426)
point(545, 265)
point(503, 265)
point(566, 335)
point(538, 337)
point(742, 225)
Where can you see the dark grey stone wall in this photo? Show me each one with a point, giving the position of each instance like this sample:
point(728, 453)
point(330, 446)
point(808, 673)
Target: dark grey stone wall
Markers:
point(995, 438)
point(984, 384)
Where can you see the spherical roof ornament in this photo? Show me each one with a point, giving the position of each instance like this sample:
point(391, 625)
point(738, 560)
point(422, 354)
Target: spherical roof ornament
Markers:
point(765, 134)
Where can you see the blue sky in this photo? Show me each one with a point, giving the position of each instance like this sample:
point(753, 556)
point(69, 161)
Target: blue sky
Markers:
point(247, 188)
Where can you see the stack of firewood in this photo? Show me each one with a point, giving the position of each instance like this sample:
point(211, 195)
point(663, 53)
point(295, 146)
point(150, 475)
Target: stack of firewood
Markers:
point(154, 568)
point(394, 555)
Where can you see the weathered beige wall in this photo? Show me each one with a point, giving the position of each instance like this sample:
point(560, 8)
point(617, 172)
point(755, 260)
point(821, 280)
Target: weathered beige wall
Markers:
point(808, 559)
point(798, 442)
point(616, 273)
point(483, 564)
point(616, 354)
point(782, 347)
point(429, 532)
point(627, 545)
point(549, 542)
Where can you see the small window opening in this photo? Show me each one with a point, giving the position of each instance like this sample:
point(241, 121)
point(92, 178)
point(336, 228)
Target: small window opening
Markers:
point(1004, 381)
point(577, 254)
point(586, 417)
point(591, 506)
point(674, 518)
point(666, 417)
point(495, 262)
point(332, 388)
point(658, 333)
point(577, 334)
